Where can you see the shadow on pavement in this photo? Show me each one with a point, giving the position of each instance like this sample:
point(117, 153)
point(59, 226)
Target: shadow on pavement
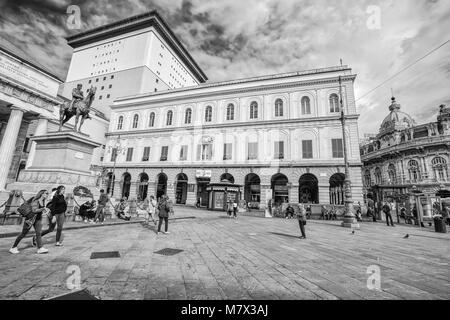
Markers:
point(284, 235)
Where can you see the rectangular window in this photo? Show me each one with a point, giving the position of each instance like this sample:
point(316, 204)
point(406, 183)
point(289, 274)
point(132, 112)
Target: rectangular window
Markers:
point(252, 151)
point(307, 151)
point(113, 154)
point(108, 95)
point(337, 148)
point(112, 77)
point(90, 81)
point(227, 151)
point(164, 153)
point(204, 152)
point(129, 154)
point(110, 86)
point(100, 98)
point(183, 152)
point(279, 150)
point(96, 80)
point(146, 155)
point(104, 78)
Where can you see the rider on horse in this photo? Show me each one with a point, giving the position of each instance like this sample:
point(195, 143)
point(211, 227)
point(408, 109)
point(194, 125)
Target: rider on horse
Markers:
point(77, 95)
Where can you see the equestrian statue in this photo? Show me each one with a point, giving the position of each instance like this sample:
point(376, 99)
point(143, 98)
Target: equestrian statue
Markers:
point(79, 106)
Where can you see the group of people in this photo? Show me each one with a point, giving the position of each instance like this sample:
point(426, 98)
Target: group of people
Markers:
point(44, 204)
point(328, 214)
point(232, 207)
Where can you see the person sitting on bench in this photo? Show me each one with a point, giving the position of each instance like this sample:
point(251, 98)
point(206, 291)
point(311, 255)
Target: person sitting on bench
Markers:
point(333, 214)
point(120, 210)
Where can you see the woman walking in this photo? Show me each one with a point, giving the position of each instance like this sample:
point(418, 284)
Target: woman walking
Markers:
point(163, 209)
point(302, 220)
point(58, 207)
point(33, 219)
point(151, 210)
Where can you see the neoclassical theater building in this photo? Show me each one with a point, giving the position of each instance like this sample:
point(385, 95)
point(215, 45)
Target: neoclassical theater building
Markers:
point(277, 136)
point(406, 159)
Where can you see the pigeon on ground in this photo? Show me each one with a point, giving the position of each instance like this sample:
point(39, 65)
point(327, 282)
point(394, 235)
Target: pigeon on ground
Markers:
point(353, 231)
point(406, 236)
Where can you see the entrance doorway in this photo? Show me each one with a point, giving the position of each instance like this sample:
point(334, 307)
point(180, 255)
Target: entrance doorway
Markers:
point(280, 189)
point(337, 188)
point(202, 192)
point(181, 191)
point(308, 189)
point(126, 185)
point(252, 188)
point(161, 185)
point(143, 186)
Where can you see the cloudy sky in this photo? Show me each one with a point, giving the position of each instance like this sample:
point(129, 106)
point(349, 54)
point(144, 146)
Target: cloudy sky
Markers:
point(235, 38)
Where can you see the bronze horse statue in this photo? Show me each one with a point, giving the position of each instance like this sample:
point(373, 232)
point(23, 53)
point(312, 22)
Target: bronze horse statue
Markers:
point(80, 108)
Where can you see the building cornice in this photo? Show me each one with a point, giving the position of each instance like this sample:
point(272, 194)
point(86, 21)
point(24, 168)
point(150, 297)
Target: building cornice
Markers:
point(191, 93)
point(416, 144)
point(28, 95)
point(170, 130)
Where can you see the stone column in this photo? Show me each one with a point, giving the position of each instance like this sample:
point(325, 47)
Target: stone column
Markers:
point(9, 144)
point(41, 129)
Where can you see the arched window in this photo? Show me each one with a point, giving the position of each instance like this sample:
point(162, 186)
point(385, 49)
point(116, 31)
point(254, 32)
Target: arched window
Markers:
point(169, 118)
point(367, 178)
point(188, 116)
point(334, 103)
point(440, 168)
point(278, 108)
point(230, 112)
point(306, 105)
point(120, 123)
point(414, 171)
point(378, 177)
point(135, 121)
point(392, 173)
point(208, 114)
point(253, 110)
point(151, 120)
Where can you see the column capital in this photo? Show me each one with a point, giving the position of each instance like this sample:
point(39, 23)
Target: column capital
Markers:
point(13, 107)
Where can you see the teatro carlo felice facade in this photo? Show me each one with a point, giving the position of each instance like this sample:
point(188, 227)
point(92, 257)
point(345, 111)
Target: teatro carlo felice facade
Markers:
point(277, 136)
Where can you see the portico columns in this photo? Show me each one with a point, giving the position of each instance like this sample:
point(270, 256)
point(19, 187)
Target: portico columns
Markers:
point(40, 130)
point(9, 144)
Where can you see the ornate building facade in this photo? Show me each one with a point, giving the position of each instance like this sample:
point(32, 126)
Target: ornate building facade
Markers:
point(277, 136)
point(408, 162)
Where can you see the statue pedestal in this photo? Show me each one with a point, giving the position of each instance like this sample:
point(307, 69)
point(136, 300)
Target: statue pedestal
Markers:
point(61, 158)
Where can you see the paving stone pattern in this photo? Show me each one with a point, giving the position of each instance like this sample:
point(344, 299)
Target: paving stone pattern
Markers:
point(222, 258)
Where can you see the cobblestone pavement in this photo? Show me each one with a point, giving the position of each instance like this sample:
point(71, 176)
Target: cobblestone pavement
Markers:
point(246, 258)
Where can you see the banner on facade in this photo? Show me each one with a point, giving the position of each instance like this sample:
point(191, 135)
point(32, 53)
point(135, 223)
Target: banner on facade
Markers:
point(203, 173)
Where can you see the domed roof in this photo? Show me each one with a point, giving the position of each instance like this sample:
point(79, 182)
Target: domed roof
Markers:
point(396, 119)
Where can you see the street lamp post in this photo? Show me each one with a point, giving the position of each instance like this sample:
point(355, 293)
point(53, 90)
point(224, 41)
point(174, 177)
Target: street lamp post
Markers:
point(118, 149)
point(349, 215)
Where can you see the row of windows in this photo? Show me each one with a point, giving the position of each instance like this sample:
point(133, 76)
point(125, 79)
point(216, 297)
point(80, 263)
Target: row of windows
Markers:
point(205, 151)
point(439, 168)
point(230, 112)
point(104, 79)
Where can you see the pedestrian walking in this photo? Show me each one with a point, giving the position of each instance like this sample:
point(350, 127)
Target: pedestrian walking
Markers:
point(34, 208)
point(229, 208)
point(152, 210)
point(301, 216)
point(387, 211)
point(163, 213)
point(324, 213)
point(235, 207)
point(101, 204)
point(333, 213)
point(57, 216)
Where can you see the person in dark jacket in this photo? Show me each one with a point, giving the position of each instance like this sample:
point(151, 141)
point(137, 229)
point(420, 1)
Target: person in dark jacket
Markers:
point(87, 211)
point(35, 220)
point(58, 207)
point(301, 216)
point(101, 204)
point(163, 214)
point(387, 211)
point(289, 212)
